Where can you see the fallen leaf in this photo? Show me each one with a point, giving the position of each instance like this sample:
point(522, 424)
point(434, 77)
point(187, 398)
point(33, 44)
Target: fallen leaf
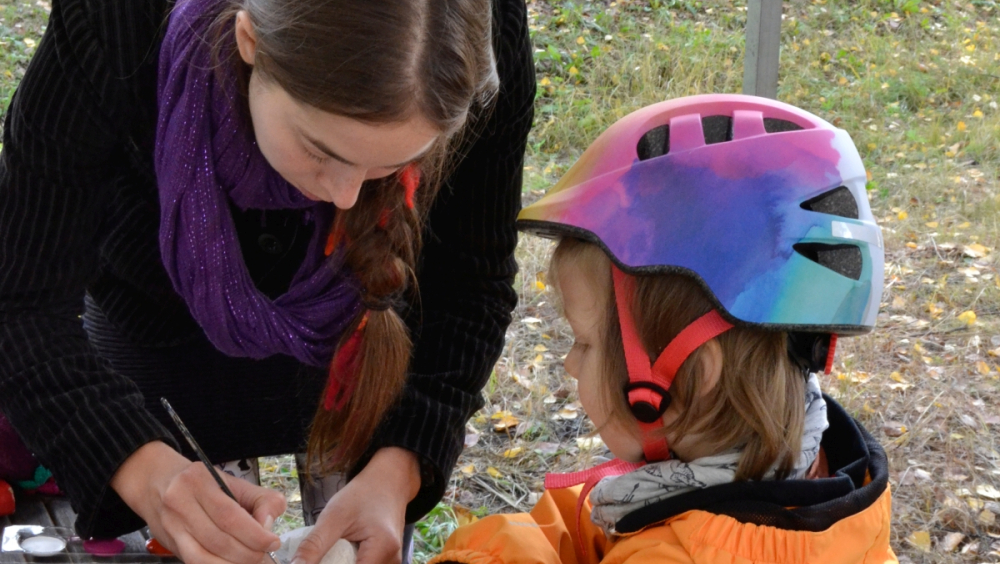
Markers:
point(546, 448)
point(988, 491)
point(950, 542)
point(471, 439)
point(987, 518)
point(469, 469)
point(932, 224)
point(463, 516)
point(921, 540)
point(589, 443)
point(982, 368)
point(541, 348)
point(902, 215)
point(967, 317)
point(565, 414)
point(494, 472)
point(975, 250)
point(531, 320)
point(504, 421)
point(898, 303)
point(893, 429)
point(539, 285)
point(513, 452)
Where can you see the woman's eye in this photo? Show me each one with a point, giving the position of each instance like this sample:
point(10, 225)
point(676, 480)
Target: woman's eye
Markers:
point(316, 158)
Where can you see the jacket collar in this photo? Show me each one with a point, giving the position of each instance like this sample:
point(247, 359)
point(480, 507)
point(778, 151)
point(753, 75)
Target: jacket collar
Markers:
point(858, 470)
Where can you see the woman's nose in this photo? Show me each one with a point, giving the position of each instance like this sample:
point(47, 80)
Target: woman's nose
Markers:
point(343, 188)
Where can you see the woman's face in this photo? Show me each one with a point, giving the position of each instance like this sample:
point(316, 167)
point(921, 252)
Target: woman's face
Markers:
point(323, 155)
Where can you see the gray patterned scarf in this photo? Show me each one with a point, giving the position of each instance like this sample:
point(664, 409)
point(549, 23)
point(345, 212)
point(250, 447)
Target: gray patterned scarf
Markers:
point(615, 497)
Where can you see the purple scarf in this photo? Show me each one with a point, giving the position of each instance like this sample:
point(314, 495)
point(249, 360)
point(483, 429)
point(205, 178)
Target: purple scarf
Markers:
point(205, 158)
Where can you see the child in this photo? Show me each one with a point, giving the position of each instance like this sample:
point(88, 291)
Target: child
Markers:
point(711, 249)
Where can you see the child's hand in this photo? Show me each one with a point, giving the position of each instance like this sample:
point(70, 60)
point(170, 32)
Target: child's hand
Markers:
point(369, 510)
point(190, 515)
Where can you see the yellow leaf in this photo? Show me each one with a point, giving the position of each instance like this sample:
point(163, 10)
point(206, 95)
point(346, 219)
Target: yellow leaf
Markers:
point(573, 71)
point(975, 250)
point(842, 81)
point(987, 491)
point(921, 540)
point(911, 245)
point(504, 422)
point(463, 516)
point(902, 215)
point(868, 175)
point(967, 317)
point(964, 225)
point(545, 81)
point(982, 368)
point(538, 359)
point(540, 285)
point(960, 126)
point(512, 452)
point(580, 40)
point(896, 376)
point(493, 472)
point(540, 348)
point(469, 469)
point(898, 302)
point(977, 114)
point(932, 224)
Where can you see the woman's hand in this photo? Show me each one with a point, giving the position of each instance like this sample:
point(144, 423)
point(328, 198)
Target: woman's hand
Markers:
point(369, 510)
point(190, 515)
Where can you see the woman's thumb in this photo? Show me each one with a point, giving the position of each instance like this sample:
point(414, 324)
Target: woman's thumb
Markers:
point(316, 544)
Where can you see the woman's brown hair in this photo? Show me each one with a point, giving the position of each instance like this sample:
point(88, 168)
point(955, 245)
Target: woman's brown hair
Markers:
point(759, 401)
point(376, 61)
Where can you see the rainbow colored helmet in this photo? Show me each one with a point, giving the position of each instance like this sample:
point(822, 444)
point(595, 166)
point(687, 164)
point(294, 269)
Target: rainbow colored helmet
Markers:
point(762, 203)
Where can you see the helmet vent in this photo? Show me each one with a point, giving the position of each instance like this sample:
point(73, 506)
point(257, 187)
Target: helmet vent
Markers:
point(717, 129)
point(655, 143)
point(839, 201)
point(845, 260)
point(772, 125)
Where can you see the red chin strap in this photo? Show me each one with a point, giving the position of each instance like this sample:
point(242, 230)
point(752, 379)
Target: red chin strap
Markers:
point(649, 384)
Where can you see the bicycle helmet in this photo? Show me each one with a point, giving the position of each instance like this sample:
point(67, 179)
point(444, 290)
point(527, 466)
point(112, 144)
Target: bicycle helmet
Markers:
point(761, 203)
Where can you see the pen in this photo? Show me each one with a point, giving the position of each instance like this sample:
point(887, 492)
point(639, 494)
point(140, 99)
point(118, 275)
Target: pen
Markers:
point(201, 455)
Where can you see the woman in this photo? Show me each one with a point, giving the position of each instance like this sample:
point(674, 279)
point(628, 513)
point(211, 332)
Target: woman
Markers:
point(217, 295)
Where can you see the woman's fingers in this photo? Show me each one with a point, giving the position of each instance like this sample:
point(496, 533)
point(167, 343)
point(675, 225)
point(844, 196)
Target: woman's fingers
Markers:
point(263, 504)
point(196, 509)
point(370, 510)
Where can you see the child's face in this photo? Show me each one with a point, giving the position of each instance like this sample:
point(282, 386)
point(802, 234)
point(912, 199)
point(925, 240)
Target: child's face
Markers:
point(323, 155)
point(585, 306)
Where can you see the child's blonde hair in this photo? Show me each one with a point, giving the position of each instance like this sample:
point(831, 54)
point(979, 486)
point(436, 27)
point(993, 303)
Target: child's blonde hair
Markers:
point(759, 401)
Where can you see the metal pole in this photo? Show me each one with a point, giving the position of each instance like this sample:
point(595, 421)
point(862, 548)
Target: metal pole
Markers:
point(760, 66)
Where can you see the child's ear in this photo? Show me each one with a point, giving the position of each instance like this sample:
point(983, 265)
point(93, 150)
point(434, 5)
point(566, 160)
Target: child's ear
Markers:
point(710, 366)
point(246, 37)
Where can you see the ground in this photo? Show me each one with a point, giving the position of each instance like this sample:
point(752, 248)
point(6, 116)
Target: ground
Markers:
point(916, 85)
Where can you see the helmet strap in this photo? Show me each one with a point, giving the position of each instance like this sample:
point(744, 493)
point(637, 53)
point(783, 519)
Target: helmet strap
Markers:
point(649, 384)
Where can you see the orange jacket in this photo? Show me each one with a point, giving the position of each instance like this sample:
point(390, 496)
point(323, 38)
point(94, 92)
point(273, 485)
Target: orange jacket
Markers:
point(843, 523)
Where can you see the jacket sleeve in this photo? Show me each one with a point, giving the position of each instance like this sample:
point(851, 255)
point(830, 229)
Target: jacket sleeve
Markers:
point(465, 274)
point(65, 138)
point(547, 535)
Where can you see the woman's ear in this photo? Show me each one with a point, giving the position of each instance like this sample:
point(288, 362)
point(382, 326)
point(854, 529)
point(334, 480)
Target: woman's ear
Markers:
point(710, 365)
point(246, 37)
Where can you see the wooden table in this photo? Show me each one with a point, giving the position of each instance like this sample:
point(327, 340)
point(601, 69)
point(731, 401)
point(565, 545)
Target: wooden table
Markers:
point(56, 512)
